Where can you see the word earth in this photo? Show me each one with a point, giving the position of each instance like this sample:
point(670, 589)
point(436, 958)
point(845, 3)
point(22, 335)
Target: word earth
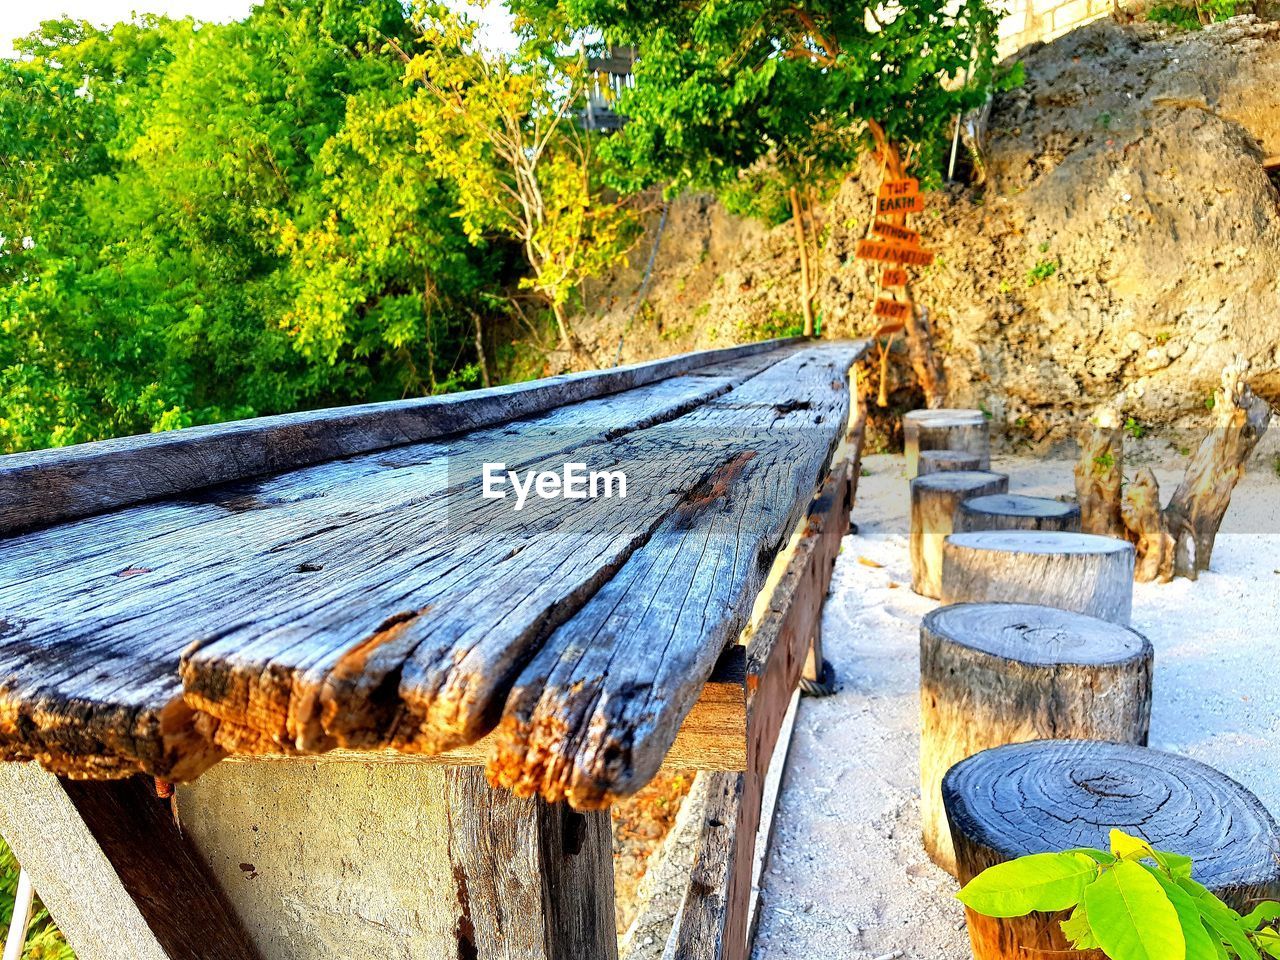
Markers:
point(573, 482)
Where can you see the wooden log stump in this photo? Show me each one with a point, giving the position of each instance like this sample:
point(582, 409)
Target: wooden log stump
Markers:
point(945, 430)
point(939, 461)
point(935, 500)
point(1053, 795)
point(1010, 511)
point(997, 673)
point(1072, 571)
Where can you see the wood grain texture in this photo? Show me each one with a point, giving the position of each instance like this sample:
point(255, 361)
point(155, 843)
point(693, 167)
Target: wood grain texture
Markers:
point(594, 712)
point(938, 461)
point(115, 870)
point(99, 611)
point(945, 430)
point(1054, 795)
point(1072, 571)
point(379, 602)
point(935, 510)
point(1011, 511)
point(53, 486)
point(997, 673)
point(534, 880)
point(720, 893)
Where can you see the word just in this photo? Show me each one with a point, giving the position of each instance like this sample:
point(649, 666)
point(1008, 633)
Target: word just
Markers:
point(573, 482)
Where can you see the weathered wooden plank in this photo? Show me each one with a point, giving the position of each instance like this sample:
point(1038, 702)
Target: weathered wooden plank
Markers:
point(53, 486)
point(720, 896)
point(117, 873)
point(96, 613)
point(592, 716)
point(335, 670)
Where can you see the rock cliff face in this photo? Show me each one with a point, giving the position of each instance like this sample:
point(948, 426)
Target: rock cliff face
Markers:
point(1123, 243)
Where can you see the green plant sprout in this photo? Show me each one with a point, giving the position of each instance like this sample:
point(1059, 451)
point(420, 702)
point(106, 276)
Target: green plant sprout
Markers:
point(1134, 428)
point(1134, 903)
point(1041, 271)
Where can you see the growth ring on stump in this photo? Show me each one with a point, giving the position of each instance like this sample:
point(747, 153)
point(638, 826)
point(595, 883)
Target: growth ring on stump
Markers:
point(998, 673)
point(945, 430)
point(1011, 511)
point(1054, 795)
point(935, 502)
point(1072, 571)
point(938, 461)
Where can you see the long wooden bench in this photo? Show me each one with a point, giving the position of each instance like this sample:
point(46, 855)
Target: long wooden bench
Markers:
point(335, 585)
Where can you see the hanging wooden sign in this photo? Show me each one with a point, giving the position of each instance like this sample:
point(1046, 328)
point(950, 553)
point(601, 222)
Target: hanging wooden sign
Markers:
point(907, 187)
point(891, 231)
point(886, 252)
point(892, 309)
point(893, 277)
point(896, 205)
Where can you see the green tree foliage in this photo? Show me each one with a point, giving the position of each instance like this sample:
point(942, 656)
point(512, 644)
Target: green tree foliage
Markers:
point(204, 222)
point(723, 85)
point(1132, 903)
point(503, 129)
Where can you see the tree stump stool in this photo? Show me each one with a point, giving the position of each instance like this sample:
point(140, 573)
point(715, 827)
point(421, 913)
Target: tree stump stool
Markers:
point(997, 673)
point(938, 461)
point(1072, 571)
point(945, 430)
point(1053, 795)
point(1010, 511)
point(935, 500)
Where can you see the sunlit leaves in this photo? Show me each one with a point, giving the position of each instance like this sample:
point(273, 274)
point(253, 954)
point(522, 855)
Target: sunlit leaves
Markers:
point(1138, 903)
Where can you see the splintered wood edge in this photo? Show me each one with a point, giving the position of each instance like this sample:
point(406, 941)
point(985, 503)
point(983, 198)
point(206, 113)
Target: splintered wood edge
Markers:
point(712, 736)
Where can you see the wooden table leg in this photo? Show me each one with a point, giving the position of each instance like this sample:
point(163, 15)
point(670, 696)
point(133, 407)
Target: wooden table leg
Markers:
point(364, 861)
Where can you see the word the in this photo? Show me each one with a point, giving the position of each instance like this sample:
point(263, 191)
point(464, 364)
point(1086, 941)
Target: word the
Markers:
point(573, 482)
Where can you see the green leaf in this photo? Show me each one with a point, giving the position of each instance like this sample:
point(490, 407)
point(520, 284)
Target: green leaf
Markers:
point(1264, 912)
point(1200, 945)
point(1126, 847)
point(1175, 863)
point(1041, 881)
point(1098, 856)
point(1132, 916)
point(1076, 929)
point(1220, 918)
point(1269, 941)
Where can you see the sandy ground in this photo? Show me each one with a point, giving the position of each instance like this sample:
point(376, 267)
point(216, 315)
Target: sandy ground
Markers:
point(847, 876)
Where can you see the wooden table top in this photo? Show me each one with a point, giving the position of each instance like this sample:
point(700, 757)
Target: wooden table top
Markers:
point(337, 579)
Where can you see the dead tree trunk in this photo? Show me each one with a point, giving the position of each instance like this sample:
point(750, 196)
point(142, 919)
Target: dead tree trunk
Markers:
point(997, 673)
point(1054, 795)
point(934, 502)
point(965, 430)
point(941, 461)
point(802, 245)
point(1070, 571)
point(1195, 512)
point(1010, 511)
point(1100, 475)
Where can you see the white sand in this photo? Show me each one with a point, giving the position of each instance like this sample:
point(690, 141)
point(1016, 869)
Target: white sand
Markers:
point(847, 875)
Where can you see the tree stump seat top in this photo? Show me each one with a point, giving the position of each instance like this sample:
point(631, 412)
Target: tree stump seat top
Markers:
point(1018, 505)
point(1038, 542)
point(1037, 636)
point(957, 480)
point(946, 417)
point(1052, 795)
point(338, 579)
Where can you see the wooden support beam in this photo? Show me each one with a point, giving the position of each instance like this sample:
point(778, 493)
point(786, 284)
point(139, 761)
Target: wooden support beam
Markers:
point(119, 876)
